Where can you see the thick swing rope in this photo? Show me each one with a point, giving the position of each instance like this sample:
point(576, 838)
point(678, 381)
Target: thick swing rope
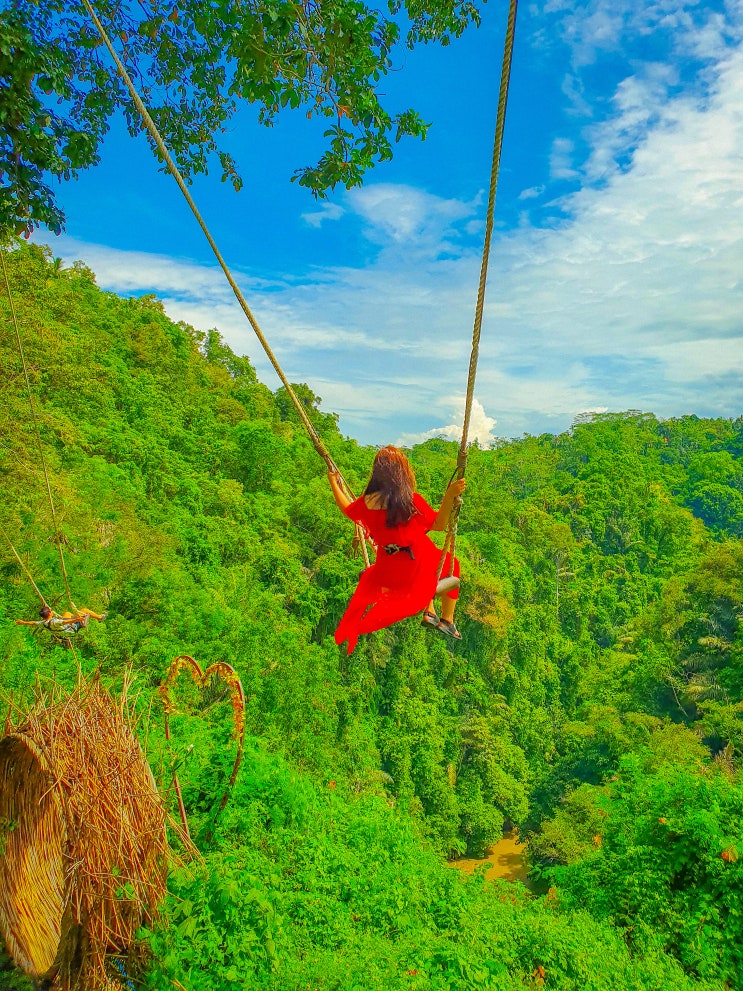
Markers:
point(451, 533)
point(57, 534)
point(149, 123)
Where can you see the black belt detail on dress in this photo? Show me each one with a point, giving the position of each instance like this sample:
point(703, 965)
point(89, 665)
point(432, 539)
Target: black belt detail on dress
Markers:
point(396, 548)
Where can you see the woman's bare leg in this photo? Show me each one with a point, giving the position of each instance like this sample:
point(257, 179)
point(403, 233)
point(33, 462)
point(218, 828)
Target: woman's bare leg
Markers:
point(448, 605)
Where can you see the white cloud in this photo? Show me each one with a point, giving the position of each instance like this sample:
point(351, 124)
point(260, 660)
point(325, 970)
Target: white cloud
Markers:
point(596, 27)
point(139, 271)
point(532, 193)
point(398, 215)
point(638, 101)
point(480, 427)
point(561, 159)
point(327, 211)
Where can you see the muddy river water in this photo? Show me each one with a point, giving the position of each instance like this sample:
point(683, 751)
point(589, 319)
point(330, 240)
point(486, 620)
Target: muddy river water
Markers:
point(506, 860)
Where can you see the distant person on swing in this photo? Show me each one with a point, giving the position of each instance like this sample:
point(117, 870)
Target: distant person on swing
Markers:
point(62, 626)
point(403, 579)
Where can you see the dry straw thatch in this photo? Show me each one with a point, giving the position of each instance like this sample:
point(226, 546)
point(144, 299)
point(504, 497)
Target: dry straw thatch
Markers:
point(83, 848)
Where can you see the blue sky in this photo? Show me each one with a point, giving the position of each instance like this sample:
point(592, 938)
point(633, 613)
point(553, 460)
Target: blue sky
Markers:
point(615, 277)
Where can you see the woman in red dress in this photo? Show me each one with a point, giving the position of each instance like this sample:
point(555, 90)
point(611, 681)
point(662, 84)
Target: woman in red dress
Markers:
point(402, 581)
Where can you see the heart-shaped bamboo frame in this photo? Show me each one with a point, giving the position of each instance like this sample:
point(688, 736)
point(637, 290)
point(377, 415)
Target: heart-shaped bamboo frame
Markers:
point(202, 678)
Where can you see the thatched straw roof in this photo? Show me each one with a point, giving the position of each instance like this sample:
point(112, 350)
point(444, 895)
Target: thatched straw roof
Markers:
point(83, 850)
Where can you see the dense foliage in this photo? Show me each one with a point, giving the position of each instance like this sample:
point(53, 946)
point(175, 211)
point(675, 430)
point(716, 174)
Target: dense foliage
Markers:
point(596, 701)
point(194, 65)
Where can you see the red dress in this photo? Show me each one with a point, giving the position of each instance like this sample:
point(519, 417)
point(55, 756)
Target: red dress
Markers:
point(401, 582)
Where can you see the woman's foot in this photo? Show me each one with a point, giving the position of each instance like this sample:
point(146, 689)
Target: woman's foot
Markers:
point(430, 619)
point(449, 628)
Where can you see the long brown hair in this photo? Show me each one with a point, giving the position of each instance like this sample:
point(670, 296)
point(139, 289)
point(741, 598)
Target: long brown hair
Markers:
point(393, 478)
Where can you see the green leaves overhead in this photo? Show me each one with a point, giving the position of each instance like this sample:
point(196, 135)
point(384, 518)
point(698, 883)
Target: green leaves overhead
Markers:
point(194, 65)
point(38, 140)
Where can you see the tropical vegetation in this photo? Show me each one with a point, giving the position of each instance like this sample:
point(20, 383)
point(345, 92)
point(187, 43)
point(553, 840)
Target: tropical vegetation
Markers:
point(596, 701)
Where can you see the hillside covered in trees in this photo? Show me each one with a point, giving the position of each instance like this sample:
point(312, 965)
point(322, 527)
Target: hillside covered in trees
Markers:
point(596, 701)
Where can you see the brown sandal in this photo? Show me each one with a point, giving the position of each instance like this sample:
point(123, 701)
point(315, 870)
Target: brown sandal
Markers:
point(449, 628)
point(430, 619)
